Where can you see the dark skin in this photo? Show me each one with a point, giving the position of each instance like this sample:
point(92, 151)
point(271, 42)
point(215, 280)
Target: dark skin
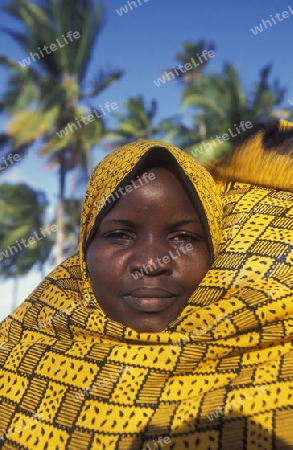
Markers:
point(144, 225)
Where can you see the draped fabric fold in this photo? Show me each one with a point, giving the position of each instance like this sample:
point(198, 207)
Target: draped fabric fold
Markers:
point(219, 377)
point(263, 157)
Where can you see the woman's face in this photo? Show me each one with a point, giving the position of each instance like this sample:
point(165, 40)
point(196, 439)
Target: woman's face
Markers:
point(148, 255)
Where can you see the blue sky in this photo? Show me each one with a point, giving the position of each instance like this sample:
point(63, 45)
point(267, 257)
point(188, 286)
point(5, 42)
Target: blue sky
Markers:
point(142, 43)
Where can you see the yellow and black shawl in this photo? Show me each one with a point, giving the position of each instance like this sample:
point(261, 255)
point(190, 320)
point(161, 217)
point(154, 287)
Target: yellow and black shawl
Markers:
point(219, 377)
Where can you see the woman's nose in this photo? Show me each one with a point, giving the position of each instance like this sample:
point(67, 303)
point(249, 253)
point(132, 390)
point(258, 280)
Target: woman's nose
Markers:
point(151, 257)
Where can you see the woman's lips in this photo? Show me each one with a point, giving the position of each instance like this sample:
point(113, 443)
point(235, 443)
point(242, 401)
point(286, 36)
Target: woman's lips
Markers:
point(149, 300)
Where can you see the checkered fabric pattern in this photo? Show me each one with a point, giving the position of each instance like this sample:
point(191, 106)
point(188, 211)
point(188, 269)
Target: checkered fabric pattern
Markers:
point(219, 377)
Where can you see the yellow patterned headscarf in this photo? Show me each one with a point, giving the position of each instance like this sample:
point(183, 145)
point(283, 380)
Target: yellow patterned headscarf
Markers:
point(219, 377)
point(118, 167)
point(265, 157)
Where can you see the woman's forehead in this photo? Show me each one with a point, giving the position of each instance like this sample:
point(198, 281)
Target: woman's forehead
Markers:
point(162, 197)
point(129, 162)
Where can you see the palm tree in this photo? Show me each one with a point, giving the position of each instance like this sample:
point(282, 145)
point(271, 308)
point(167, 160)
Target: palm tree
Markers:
point(24, 238)
point(137, 122)
point(221, 103)
point(186, 134)
point(46, 92)
point(191, 53)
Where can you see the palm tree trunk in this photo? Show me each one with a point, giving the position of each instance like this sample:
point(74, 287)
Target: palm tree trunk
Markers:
point(60, 237)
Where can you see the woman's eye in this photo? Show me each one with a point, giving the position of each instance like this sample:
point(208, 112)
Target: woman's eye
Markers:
point(119, 236)
point(185, 237)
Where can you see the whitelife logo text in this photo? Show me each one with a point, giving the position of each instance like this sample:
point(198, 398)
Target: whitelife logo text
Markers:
point(53, 47)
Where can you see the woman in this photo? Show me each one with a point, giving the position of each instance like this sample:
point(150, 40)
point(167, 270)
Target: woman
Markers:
point(165, 330)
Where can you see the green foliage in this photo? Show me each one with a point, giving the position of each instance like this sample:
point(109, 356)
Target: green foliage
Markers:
point(137, 122)
point(192, 51)
point(50, 90)
point(22, 214)
point(49, 93)
point(219, 102)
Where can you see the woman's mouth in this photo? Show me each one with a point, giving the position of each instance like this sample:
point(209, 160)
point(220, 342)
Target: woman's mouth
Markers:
point(149, 300)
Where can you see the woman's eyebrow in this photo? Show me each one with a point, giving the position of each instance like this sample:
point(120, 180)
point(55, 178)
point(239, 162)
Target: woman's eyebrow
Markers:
point(183, 222)
point(128, 223)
